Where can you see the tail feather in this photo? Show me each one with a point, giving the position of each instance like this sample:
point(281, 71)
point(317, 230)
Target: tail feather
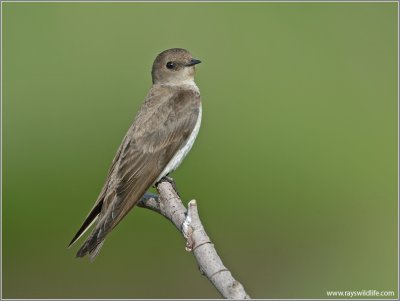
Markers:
point(93, 243)
point(92, 251)
point(93, 254)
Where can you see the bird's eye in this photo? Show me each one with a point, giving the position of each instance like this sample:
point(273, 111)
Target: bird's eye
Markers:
point(170, 65)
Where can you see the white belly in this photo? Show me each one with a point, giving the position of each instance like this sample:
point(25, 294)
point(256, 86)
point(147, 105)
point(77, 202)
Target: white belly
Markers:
point(181, 154)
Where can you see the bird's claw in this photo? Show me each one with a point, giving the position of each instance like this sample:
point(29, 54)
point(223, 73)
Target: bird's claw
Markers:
point(169, 180)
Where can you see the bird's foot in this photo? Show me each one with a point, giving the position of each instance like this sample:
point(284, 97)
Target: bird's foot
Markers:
point(169, 180)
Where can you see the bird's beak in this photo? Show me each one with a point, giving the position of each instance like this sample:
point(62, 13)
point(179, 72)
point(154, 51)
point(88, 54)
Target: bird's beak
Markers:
point(193, 62)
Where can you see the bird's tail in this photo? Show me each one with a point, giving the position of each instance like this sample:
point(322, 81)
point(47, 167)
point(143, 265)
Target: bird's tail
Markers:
point(93, 243)
point(90, 250)
point(93, 254)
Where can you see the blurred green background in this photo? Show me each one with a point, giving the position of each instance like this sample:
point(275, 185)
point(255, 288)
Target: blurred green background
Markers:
point(294, 169)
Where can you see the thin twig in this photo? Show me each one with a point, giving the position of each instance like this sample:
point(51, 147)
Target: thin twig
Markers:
point(188, 222)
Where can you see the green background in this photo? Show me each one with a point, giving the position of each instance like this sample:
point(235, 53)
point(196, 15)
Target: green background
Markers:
point(294, 169)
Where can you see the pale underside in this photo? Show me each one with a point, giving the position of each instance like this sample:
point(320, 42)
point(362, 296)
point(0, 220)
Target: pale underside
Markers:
point(183, 151)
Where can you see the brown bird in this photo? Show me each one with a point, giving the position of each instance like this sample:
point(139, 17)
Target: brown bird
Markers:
point(159, 138)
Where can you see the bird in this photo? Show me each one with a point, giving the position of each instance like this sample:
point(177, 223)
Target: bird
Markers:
point(161, 135)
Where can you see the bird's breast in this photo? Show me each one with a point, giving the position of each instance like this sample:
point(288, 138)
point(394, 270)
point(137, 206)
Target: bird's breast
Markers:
point(183, 151)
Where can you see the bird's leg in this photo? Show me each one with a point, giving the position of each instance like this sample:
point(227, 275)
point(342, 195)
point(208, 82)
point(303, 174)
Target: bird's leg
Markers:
point(169, 180)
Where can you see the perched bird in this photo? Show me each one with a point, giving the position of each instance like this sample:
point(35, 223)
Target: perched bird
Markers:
point(159, 138)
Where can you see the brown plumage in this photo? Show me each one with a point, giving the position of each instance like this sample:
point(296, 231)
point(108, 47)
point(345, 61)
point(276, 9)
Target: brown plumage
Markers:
point(163, 127)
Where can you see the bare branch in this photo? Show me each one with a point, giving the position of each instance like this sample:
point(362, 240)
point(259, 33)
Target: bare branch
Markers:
point(189, 224)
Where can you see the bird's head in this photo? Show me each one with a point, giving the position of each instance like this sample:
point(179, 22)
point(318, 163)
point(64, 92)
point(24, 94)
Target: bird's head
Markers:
point(174, 66)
